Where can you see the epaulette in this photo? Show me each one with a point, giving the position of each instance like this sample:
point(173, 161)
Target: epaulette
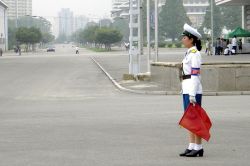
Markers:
point(193, 51)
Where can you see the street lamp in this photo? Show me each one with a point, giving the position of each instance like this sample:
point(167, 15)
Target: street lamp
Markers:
point(148, 36)
point(212, 23)
point(156, 30)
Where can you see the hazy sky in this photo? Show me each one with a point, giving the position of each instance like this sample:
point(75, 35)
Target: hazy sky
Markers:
point(90, 8)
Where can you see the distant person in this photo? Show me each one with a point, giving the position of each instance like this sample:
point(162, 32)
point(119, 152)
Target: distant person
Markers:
point(77, 50)
point(208, 47)
point(1, 52)
point(226, 51)
point(224, 44)
point(230, 48)
point(234, 44)
point(240, 45)
point(126, 46)
point(217, 46)
point(19, 50)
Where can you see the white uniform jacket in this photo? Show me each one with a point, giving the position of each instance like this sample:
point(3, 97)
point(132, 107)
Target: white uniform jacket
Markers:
point(191, 66)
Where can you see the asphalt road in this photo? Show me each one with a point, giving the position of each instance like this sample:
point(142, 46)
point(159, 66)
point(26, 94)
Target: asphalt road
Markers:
point(59, 109)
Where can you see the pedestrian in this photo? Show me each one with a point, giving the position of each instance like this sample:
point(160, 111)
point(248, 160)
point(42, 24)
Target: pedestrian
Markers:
point(224, 43)
point(77, 50)
point(217, 47)
point(234, 44)
point(126, 46)
point(208, 47)
point(230, 47)
point(191, 83)
point(240, 45)
point(1, 52)
point(19, 50)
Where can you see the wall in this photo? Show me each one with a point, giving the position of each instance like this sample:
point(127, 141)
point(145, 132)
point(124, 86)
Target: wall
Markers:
point(216, 77)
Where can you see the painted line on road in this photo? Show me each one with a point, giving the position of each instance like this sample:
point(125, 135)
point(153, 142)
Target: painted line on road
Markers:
point(117, 85)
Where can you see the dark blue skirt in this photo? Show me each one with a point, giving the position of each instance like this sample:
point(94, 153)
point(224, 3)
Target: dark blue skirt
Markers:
point(186, 101)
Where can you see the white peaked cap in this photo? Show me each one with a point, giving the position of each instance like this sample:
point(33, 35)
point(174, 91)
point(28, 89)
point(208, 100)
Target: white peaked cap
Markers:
point(191, 30)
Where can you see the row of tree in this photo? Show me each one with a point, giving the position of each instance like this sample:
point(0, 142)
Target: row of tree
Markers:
point(98, 36)
point(173, 15)
point(29, 31)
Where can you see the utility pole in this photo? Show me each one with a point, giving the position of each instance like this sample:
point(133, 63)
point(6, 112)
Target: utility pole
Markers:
point(135, 39)
point(16, 13)
point(156, 30)
point(212, 23)
point(148, 37)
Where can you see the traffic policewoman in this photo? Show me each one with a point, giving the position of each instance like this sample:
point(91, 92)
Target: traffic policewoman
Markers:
point(191, 83)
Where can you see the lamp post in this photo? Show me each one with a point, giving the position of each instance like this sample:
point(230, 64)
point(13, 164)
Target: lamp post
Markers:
point(148, 37)
point(156, 30)
point(16, 13)
point(212, 23)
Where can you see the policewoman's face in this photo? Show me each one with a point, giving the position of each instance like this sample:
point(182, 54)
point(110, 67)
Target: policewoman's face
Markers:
point(187, 42)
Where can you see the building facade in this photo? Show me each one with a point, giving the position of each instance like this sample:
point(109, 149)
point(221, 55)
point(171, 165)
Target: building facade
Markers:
point(196, 10)
point(245, 12)
point(18, 8)
point(3, 26)
point(66, 22)
point(80, 22)
point(120, 8)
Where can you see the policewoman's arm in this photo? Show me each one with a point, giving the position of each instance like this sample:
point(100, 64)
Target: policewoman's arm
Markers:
point(195, 75)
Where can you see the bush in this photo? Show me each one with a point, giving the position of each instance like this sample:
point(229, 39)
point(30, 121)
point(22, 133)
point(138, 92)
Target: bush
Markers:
point(162, 44)
point(170, 45)
point(178, 45)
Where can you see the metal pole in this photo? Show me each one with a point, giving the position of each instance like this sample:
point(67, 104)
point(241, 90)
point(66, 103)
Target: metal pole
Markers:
point(16, 13)
point(130, 35)
point(140, 40)
point(148, 36)
point(212, 24)
point(156, 30)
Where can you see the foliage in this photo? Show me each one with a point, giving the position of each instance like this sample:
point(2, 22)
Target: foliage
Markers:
point(27, 22)
point(107, 37)
point(122, 25)
point(178, 45)
point(228, 17)
point(47, 37)
point(98, 36)
point(172, 18)
point(28, 35)
point(162, 44)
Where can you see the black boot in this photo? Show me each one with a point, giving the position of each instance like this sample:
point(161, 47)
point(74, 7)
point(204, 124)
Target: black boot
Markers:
point(194, 153)
point(186, 152)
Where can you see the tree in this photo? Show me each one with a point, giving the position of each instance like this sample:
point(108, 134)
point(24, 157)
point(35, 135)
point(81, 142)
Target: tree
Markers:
point(47, 37)
point(122, 25)
point(28, 36)
point(11, 34)
point(172, 18)
point(228, 17)
point(108, 36)
point(89, 34)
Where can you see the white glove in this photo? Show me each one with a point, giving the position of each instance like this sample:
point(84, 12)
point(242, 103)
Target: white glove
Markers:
point(192, 99)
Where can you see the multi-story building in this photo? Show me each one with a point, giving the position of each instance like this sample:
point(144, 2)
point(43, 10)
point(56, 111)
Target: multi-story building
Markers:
point(18, 8)
point(80, 22)
point(3, 26)
point(196, 10)
point(66, 22)
point(120, 8)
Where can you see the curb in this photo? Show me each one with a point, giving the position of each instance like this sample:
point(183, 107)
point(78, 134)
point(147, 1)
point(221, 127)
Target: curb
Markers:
point(118, 86)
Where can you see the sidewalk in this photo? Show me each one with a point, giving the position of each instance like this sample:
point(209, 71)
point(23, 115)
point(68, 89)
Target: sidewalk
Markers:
point(117, 64)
